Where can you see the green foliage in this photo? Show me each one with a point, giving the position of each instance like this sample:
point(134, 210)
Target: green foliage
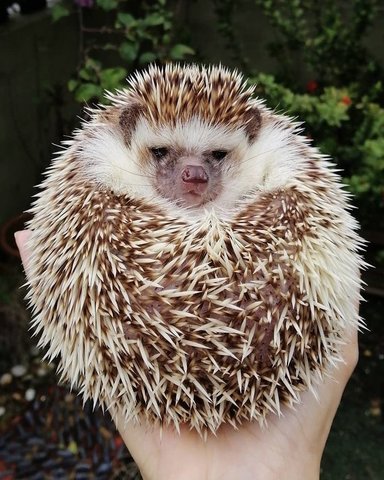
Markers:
point(127, 36)
point(344, 124)
point(326, 36)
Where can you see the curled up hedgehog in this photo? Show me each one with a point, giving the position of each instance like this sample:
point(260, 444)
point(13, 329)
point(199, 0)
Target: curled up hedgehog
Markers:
point(193, 257)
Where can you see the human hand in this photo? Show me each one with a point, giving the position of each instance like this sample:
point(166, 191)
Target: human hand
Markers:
point(290, 448)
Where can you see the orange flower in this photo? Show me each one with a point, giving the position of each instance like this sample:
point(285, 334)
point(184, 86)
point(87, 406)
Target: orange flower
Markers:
point(346, 100)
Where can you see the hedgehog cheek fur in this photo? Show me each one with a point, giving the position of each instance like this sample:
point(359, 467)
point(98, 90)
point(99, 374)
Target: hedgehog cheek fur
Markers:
point(172, 318)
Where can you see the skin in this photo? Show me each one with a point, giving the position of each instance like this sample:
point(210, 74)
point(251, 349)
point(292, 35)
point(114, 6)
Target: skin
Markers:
point(290, 448)
point(192, 180)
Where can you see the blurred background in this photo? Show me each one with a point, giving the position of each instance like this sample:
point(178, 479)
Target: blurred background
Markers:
point(321, 62)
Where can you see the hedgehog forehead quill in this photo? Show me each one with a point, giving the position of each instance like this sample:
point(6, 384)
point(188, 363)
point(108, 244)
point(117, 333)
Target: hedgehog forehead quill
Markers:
point(193, 259)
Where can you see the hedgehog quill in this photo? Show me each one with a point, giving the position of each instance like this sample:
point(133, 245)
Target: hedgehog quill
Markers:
point(193, 257)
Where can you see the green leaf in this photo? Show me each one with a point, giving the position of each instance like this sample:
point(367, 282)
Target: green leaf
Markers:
point(373, 151)
point(126, 19)
point(128, 51)
point(167, 25)
point(154, 19)
point(59, 11)
point(147, 57)
point(358, 184)
point(166, 39)
point(72, 85)
point(92, 64)
point(84, 74)
point(87, 91)
point(107, 4)
point(179, 51)
point(111, 78)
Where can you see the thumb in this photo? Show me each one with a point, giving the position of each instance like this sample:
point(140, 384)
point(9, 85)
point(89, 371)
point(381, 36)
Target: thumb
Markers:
point(21, 239)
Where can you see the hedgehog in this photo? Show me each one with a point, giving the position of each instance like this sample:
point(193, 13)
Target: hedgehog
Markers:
point(193, 260)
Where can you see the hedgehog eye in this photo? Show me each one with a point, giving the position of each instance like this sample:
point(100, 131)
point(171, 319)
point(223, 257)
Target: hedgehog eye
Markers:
point(219, 154)
point(159, 152)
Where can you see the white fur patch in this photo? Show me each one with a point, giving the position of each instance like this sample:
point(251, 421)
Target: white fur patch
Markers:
point(268, 164)
point(194, 136)
point(112, 164)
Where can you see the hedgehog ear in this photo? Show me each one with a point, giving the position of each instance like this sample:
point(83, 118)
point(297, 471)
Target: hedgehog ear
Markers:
point(252, 123)
point(128, 119)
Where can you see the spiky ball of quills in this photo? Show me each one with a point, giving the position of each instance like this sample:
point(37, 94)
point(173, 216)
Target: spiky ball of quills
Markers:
point(204, 315)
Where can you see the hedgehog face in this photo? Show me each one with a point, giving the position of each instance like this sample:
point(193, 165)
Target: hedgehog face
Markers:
point(189, 163)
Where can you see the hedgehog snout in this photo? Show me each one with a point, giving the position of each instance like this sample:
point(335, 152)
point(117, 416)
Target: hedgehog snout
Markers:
point(195, 180)
point(194, 174)
point(189, 179)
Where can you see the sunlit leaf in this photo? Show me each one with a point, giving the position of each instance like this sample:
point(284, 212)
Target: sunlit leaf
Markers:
point(154, 19)
point(87, 91)
point(111, 78)
point(179, 51)
point(72, 84)
point(126, 19)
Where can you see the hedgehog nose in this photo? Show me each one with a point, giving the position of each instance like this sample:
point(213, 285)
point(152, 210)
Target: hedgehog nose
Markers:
point(194, 174)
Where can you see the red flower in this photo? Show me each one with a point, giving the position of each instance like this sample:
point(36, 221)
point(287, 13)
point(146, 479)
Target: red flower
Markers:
point(118, 441)
point(312, 86)
point(346, 100)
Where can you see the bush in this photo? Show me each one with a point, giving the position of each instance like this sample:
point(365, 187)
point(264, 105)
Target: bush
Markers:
point(115, 33)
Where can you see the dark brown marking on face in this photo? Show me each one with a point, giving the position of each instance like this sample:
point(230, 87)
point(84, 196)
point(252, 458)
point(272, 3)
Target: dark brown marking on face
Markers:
point(253, 119)
point(128, 120)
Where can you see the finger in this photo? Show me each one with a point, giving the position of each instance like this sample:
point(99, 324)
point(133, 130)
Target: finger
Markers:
point(21, 239)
